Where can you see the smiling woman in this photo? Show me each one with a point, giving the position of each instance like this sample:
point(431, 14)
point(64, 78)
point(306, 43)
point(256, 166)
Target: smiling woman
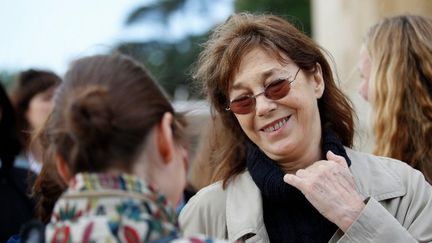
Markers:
point(285, 172)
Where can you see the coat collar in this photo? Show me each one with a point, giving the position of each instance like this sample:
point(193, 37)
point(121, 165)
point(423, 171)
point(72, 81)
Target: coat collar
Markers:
point(373, 179)
point(244, 210)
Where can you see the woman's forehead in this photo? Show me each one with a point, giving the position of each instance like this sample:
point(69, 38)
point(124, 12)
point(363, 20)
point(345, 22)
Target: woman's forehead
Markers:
point(260, 63)
point(273, 53)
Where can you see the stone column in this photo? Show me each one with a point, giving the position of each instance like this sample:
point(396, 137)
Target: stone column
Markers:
point(339, 26)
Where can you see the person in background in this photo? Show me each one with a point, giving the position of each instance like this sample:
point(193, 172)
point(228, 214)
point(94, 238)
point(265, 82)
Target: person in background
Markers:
point(287, 173)
point(396, 71)
point(203, 164)
point(32, 98)
point(16, 207)
point(119, 145)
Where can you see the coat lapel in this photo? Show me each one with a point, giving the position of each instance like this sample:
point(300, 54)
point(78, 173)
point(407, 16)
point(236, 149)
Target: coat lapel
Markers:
point(244, 212)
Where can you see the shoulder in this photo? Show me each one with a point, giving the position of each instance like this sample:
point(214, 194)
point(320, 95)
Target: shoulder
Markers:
point(369, 163)
point(402, 193)
point(214, 211)
point(210, 199)
point(214, 197)
point(205, 212)
point(384, 177)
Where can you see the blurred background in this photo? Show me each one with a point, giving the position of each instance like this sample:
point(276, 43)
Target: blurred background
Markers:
point(166, 34)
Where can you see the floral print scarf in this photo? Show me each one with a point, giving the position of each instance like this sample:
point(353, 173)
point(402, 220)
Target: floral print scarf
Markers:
point(109, 208)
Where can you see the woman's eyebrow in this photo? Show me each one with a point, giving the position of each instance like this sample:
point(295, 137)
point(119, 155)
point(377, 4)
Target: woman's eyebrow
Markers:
point(263, 76)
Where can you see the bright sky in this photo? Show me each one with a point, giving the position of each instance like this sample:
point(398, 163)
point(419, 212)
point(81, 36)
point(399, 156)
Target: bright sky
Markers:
point(51, 33)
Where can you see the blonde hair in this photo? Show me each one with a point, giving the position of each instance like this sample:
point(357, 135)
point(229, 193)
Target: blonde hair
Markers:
point(400, 51)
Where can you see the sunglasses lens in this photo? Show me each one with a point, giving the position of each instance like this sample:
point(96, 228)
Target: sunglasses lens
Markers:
point(274, 91)
point(278, 89)
point(242, 105)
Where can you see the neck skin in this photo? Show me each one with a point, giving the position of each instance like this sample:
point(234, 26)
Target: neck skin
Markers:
point(159, 171)
point(304, 158)
point(145, 165)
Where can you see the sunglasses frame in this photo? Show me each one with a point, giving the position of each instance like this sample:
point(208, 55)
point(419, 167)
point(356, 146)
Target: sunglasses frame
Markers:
point(253, 97)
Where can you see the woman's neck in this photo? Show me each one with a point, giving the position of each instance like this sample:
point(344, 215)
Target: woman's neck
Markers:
point(301, 159)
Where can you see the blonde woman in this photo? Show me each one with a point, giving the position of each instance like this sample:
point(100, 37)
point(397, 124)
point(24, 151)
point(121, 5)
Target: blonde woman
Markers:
point(396, 70)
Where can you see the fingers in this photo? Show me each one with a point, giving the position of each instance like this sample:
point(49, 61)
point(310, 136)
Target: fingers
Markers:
point(336, 158)
point(330, 187)
point(318, 170)
point(293, 180)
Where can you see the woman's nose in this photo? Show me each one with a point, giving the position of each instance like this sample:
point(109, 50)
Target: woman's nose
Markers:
point(264, 105)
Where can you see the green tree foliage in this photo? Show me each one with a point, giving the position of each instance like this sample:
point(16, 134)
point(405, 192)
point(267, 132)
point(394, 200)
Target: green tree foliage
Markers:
point(161, 10)
point(7, 78)
point(171, 60)
point(297, 11)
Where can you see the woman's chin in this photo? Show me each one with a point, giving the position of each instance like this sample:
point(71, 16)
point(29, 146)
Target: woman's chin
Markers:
point(279, 151)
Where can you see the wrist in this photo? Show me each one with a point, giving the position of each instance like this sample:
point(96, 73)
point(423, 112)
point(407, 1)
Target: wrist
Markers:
point(350, 215)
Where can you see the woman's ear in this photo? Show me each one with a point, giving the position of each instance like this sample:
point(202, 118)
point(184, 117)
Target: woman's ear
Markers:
point(62, 168)
point(319, 84)
point(165, 138)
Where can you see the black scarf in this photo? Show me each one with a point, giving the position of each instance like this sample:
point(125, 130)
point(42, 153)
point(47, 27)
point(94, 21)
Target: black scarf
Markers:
point(288, 216)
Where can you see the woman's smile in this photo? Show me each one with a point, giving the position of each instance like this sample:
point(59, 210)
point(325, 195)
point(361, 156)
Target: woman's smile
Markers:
point(275, 126)
point(282, 128)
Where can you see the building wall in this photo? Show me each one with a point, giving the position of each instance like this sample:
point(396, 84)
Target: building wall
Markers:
point(339, 26)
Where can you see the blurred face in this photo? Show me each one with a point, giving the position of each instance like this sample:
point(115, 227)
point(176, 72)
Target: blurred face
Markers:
point(288, 129)
point(178, 175)
point(364, 67)
point(40, 107)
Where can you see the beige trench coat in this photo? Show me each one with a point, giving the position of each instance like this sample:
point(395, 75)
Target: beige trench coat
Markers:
point(398, 208)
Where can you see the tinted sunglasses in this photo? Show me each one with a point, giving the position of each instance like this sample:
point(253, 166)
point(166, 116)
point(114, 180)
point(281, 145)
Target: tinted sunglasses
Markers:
point(275, 90)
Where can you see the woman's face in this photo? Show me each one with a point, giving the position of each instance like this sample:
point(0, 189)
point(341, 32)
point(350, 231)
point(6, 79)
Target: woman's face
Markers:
point(286, 129)
point(364, 67)
point(39, 108)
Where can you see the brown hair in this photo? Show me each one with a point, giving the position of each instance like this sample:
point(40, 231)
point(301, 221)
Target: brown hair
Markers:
point(400, 52)
point(47, 188)
point(103, 112)
point(27, 85)
point(221, 57)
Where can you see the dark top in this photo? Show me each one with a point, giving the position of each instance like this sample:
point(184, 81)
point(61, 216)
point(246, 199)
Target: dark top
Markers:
point(16, 207)
point(288, 215)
